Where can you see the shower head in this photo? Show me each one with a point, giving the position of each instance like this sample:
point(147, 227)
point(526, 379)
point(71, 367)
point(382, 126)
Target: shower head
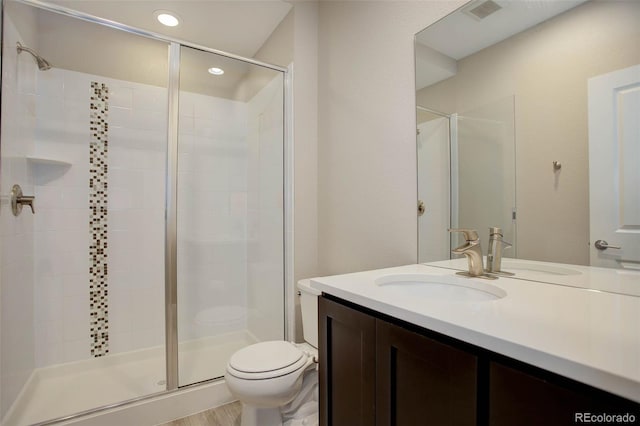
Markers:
point(42, 63)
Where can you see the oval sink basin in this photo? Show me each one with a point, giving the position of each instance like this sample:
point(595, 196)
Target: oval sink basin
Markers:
point(440, 287)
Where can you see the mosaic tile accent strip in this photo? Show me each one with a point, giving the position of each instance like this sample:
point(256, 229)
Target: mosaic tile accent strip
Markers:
point(98, 290)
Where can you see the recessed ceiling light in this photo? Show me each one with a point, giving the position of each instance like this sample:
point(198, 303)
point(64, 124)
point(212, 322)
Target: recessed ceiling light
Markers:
point(167, 18)
point(216, 71)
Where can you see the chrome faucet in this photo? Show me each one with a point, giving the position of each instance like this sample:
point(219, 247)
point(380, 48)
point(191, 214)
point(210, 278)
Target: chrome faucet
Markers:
point(471, 249)
point(494, 255)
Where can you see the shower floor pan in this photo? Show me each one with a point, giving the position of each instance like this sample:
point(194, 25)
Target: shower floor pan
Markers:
point(70, 388)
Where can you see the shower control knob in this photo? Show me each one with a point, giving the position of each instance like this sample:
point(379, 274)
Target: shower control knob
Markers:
point(18, 200)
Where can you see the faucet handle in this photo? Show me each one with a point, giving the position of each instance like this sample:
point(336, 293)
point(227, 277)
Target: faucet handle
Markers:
point(495, 233)
point(495, 230)
point(469, 234)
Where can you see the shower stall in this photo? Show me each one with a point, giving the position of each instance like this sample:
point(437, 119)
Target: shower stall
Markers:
point(466, 176)
point(147, 241)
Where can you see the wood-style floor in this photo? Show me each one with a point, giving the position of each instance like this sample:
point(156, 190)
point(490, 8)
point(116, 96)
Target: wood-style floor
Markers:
point(226, 415)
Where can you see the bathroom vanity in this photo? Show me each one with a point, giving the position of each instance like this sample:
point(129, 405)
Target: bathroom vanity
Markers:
point(419, 345)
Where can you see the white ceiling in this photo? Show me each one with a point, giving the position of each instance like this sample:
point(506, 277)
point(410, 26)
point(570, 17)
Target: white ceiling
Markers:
point(459, 34)
point(235, 26)
point(240, 27)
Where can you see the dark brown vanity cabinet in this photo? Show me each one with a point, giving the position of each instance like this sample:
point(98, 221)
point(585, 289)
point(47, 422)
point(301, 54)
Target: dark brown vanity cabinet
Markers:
point(518, 396)
point(376, 370)
point(420, 381)
point(347, 376)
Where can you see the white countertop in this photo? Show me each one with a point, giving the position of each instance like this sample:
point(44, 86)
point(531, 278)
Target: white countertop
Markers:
point(622, 281)
point(590, 336)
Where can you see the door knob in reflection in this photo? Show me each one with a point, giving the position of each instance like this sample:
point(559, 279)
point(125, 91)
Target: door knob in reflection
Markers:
point(603, 245)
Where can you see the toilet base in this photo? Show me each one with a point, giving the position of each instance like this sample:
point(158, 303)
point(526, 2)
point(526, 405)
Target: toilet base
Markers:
point(258, 416)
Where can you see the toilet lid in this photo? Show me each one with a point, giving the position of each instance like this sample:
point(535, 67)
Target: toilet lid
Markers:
point(265, 356)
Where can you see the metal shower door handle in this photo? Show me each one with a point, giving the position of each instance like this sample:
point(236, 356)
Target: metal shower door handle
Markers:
point(603, 245)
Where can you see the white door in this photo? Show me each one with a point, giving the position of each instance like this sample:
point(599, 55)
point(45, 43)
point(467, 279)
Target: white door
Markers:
point(614, 168)
point(433, 190)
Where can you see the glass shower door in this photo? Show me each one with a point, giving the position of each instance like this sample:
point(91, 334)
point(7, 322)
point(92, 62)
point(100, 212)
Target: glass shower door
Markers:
point(485, 176)
point(230, 255)
point(84, 132)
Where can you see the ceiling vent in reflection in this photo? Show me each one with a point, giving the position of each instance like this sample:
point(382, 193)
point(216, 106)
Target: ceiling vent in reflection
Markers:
point(481, 9)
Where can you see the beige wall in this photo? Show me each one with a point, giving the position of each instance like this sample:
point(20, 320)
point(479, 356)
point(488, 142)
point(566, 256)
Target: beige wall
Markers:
point(295, 43)
point(547, 68)
point(367, 132)
point(278, 50)
point(305, 135)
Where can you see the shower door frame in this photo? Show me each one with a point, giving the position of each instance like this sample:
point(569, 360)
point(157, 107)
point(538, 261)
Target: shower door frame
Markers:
point(171, 278)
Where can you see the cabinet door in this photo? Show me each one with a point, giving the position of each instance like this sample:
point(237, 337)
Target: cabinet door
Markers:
point(520, 398)
point(421, 381)
point(347, 365)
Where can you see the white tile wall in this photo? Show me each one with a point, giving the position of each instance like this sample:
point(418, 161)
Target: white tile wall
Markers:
point(230, 190)
point(136, 158)
point(264, 207)
point(212, 246)
point(212, 214)
point(17, 332)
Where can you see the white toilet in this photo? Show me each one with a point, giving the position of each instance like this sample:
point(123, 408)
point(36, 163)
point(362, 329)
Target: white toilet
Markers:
point(267, 376)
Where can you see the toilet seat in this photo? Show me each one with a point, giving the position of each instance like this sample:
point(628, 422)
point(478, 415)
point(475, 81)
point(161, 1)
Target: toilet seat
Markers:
point(267, 360)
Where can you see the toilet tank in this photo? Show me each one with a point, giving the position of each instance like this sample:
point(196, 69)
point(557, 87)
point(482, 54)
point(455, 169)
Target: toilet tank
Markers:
point(309, 308)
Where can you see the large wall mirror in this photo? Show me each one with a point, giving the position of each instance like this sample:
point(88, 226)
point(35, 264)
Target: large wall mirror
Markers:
point(528, 117)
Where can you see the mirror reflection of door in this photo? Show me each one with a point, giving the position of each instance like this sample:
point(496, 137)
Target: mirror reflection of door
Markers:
point(614, 173)
point(433, 185)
